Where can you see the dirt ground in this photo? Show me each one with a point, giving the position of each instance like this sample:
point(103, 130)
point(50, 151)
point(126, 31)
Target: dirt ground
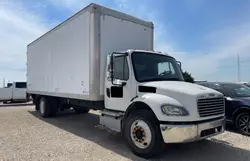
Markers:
point(24, 135)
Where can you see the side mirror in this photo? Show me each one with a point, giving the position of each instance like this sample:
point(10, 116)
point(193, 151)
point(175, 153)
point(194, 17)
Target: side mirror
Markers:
point(111, 70)
point(179, 64)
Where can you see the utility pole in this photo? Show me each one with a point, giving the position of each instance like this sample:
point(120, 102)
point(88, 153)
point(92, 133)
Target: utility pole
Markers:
point(238, 61)
point(3, 82)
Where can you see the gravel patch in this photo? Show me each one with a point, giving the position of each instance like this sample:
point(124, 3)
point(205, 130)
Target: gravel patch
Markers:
point(24, 135)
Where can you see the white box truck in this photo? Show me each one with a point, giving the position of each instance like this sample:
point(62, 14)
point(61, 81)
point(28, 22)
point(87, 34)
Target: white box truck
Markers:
point(102, 59)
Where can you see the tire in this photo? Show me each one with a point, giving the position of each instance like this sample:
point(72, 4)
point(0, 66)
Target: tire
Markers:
point(47, 107)
point(36, 105)
point(44, 108)
point(36, 102)
point(54, 106)
point(140, 128)
point(242, 123)
point(5, 102)
point(81, 110)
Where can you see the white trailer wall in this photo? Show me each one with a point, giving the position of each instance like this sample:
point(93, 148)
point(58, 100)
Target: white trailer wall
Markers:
point(70, 60)
point(58, 62)
point(121, 35)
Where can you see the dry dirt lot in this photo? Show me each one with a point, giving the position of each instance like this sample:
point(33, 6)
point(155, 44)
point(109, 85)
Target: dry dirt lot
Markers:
point(24, 135)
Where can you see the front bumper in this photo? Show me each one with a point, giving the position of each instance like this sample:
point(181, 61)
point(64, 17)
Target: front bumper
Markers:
point(180, 133)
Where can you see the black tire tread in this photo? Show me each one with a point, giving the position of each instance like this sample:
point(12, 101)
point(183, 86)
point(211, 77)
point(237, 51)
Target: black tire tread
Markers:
point(36, 103)
point(53, 103)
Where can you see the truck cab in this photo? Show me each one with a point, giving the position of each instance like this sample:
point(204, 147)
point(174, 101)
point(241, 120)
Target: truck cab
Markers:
point(15, 91)
point(148, 90)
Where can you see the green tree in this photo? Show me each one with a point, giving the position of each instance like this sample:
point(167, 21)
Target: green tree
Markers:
point(188, 77)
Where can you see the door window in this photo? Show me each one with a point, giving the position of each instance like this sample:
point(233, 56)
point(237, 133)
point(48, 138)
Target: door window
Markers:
point(20, 85)
point(121, 70)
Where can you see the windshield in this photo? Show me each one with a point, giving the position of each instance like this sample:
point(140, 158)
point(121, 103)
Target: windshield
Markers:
point(237, 90)
point(155, 67)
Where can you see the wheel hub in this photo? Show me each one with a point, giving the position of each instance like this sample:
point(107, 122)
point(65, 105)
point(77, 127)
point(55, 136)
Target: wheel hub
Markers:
point(141, 134)
point(244, 124)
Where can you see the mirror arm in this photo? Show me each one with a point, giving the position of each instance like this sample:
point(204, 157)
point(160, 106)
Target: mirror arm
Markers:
point(112, 67)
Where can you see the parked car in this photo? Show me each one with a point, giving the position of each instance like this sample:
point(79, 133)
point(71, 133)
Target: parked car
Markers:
point(14, 92)
point(247, 84)
point(237, 103)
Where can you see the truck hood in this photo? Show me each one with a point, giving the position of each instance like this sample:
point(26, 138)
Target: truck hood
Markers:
point(185, 93)
point(181, 88)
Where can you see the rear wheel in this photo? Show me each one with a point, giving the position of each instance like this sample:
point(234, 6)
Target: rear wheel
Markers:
point(54, 106)
point(44, 108)
point(81, 110)
point(48, 106)
point(36, 105)
point(143, 135)
point(243, 123)
point(36, 102)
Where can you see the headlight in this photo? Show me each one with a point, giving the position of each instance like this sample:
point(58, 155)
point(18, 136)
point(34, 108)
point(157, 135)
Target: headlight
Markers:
point(172, 110)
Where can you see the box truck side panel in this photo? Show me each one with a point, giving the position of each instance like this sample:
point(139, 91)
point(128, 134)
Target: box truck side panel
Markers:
point(121, 35)
point(58, 63)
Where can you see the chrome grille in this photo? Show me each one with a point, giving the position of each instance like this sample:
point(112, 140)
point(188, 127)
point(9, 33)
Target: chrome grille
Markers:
point(210, 106)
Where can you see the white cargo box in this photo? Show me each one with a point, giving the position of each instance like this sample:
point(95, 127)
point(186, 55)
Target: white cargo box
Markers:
point(69, 61)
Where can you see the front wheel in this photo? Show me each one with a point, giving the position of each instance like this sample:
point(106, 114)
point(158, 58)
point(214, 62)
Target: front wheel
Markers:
point(143, 135)
point(243, 123)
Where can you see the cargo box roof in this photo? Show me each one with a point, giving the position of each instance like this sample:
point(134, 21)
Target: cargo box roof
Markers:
point(103, 10)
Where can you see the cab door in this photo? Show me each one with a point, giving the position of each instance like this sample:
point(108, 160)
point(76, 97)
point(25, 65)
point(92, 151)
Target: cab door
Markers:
point(118, 88)
point(19, 91)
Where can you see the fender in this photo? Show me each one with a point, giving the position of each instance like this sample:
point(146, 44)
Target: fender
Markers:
point(154, 102)
point(240, 108)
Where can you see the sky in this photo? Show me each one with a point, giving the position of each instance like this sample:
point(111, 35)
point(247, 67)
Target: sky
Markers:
point(205, 35)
